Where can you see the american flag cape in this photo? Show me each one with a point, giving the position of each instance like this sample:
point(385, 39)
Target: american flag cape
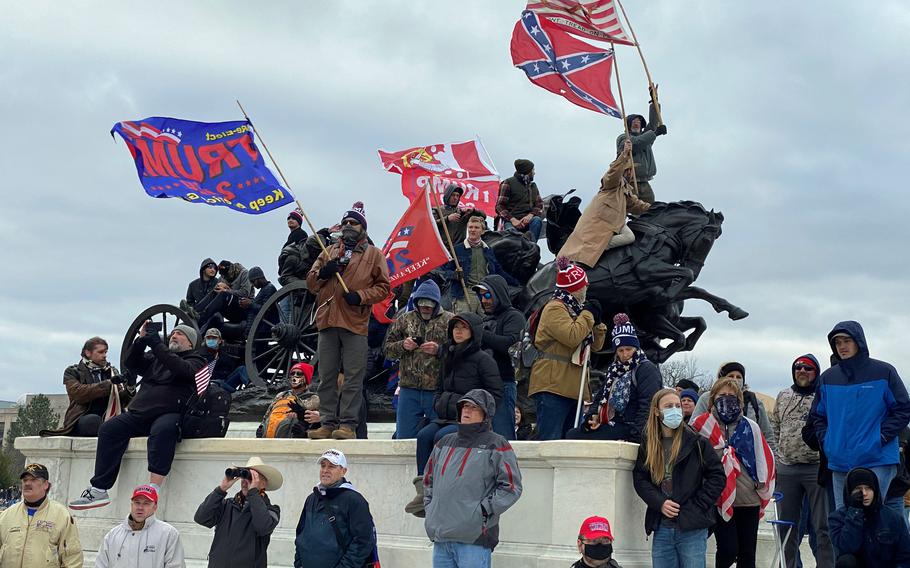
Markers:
point(598, 19)
point(564, 65)
point(760, 463)
point(204, 375)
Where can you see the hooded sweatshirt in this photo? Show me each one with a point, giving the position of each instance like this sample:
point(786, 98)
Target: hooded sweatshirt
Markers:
point(503, 327)
point(862, 407)
point(200, 288)
point(791, 410)
point(472, 477)
point(876, 535)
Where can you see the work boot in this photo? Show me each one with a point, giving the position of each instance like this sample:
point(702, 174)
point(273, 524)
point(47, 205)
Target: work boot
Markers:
point(344, 433)
point(415, 507)
point(322, 433)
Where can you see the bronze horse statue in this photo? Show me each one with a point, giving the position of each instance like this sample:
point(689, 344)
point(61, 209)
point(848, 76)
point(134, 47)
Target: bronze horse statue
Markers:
point(649, 279)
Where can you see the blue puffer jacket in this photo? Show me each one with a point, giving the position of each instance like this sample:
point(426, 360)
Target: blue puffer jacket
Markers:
point(862, 407)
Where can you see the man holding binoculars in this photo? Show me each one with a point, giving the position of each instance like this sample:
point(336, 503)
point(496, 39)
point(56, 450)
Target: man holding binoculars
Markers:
point(243, 523)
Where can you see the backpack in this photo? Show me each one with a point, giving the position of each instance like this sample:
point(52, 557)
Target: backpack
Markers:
point(523, 352)
point(207, 415)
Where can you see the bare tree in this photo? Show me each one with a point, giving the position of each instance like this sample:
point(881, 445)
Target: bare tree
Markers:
point(685, 367)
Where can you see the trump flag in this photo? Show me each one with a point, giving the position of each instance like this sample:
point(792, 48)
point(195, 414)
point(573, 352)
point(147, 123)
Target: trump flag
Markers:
point(564, 65)
point(214, 163)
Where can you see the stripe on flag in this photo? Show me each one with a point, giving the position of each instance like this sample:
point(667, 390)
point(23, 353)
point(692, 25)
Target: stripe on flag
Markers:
point(203, 376)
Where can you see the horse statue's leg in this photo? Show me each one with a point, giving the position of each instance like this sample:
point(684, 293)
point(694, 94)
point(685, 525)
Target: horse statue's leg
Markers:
point(698, 324)
point(719, 304)
point(662, 327)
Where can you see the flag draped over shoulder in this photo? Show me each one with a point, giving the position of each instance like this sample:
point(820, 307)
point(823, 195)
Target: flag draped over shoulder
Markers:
point(564, 65)
point(598, 19)
point(465, 164)
point(747, 449)
point(413, 249)
point(214, 163)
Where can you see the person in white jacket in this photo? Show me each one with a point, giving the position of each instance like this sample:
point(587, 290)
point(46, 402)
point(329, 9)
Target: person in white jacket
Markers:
point(141, 541)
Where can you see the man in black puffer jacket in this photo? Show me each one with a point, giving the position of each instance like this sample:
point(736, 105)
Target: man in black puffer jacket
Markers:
point(502, 327)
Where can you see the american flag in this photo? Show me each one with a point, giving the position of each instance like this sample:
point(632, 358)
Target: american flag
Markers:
point(759, 465)
point(598, 19)
point(203, 376)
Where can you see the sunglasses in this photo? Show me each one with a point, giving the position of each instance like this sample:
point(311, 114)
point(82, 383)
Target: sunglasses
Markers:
point(803, 368)
point(485, 295)
point(349, 222)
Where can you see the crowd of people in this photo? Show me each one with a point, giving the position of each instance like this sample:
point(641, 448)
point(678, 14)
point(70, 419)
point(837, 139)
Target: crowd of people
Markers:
point(710, 460)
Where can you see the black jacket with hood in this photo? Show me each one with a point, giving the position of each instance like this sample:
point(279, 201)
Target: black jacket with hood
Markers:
point(503, 327)
point(243, 528)
point(200, 288)
point(465, 367)
point(168, 378)
point(876, 535)
point(317, 544)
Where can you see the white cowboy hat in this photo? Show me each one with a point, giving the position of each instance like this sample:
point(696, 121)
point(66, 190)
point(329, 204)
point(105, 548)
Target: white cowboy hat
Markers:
point(274, 479)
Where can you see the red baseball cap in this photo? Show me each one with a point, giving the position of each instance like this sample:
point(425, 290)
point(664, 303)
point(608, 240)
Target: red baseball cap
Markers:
point(146, 491)
point(595, 527)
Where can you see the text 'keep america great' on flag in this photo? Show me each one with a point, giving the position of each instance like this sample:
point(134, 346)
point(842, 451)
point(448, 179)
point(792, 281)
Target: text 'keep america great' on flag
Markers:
point(598, 19)
point(564, 65)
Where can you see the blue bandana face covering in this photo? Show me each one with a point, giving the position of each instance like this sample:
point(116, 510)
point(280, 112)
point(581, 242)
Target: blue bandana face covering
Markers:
point(728, 408)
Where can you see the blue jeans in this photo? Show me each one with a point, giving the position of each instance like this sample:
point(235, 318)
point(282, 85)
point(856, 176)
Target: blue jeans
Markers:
point(413, 405)
point(460, 555)
point(427, 438)
point(504, 420)
point(535, 226)
point(884, 474)
point(673, 548)
point(555, 415)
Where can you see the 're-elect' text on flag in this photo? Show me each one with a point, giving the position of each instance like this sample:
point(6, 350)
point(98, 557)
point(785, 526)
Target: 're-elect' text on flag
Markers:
point(564, 65)
point(216, 163)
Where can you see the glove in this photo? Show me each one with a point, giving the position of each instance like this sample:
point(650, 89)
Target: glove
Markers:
point(593, 306)
point(152, 339)
point(297, 409)
point(117, 380)
point(328, 270)
point(856, 499)
point(352, 298)
point(661, 130)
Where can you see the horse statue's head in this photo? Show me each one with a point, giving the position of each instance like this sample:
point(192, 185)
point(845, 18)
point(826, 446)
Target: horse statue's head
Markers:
point(695, 229)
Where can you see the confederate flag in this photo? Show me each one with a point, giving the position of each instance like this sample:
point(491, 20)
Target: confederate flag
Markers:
point(564, 65)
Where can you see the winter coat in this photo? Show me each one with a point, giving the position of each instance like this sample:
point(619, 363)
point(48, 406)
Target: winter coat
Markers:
point(464, 370)
point(753, 408)
point(787, 420)
point(642, 155)
point(464, 503)
point(367, 274)
point(808, 435)
point(87, 391)
point(242, 532)
point(612, 563)
point(558, 336)
point(862, 407)
point(463, 252)
point(156, 545)
point(458, 230)
point(199, 288)
point(416, 369)
point(604, 217)
point(279, 415)
point(517, 199)
point(698, 479)
point(503, 327)
point(877, 536)
point(297, 235)
point(238, 278)
point(48, 538)
point(168, 379)
point(296, 259)
point(646, 381)
point(316, 544)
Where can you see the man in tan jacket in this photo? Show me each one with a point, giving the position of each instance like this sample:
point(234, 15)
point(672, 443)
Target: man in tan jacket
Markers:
point(37, 531)
point(569, 323)
point(342, 319)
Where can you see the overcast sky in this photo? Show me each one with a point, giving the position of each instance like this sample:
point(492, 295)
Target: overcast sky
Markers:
point(791, 122)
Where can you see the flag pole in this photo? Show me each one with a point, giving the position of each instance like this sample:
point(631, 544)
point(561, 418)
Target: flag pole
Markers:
point(622, 109)
point(445, 228)
point(644, 64)
point(287, 185)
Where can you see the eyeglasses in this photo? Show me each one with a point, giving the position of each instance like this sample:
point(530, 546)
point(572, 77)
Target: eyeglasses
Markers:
point(803, 368)
point(349, 222)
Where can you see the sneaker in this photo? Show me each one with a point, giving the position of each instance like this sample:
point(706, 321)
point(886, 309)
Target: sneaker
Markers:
point(91, 498)
point(344, 433)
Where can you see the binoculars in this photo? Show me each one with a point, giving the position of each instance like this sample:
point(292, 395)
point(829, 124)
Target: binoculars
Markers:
point(235, 472)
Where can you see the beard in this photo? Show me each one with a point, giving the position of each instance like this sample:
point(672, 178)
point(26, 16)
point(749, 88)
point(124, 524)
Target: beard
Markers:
point(581, 295)
point(175, 347)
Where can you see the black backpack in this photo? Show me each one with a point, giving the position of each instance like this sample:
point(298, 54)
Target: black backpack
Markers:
point(207, 415)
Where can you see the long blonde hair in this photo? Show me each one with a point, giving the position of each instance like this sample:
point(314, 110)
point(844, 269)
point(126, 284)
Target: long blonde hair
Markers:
point(654, 450)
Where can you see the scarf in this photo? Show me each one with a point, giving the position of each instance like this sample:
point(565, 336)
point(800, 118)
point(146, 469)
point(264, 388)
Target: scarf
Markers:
point(525, 179)
point(569, 300)
point(479, 244)
point(94, 367)
point(616, 390)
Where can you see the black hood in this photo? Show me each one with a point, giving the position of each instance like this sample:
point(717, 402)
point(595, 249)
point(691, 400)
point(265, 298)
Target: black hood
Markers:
point(500, 290)
point(862, 476)
point(450, 189)
point(476, 324)
point(481, 398)
point(629, 118)
point(205, 263)
point(818, 371)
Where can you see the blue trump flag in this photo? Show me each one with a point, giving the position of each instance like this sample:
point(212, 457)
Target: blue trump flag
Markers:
point(216, 163)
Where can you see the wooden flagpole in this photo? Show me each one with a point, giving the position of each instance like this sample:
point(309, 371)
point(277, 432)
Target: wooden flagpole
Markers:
point(287, 185)
point(622, 109)
point(445, 228)
point(644, 64)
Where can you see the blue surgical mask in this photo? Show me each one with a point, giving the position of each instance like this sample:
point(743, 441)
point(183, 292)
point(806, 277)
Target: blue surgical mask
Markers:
point(671, 417)
point(211, 343)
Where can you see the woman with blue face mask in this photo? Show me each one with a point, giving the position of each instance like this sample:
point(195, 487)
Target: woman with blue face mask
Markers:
point(679, 477)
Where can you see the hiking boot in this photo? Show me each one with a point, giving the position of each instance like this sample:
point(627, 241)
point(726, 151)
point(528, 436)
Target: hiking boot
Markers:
point(321, 433)
point(344, 433)
point(415, 507)
point(91, 499)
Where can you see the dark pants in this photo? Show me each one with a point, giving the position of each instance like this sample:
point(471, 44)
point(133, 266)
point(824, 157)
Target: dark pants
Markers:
point(427, 438)
point(799, 484)
point(504, 419)
point(849, 561)
point(617, 431)
point(339, 348)
point(225, 304)
point(737, 538)
point(645, 193)
point(114, 437)
point(555, 415)
point(87, 426)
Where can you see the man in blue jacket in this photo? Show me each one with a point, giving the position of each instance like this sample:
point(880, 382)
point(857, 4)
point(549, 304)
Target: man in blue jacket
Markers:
point(862, 407)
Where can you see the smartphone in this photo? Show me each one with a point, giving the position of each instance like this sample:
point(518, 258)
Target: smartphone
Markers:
point(153, 327)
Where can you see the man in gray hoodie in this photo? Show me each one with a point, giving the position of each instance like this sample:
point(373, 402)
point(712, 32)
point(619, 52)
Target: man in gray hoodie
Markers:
point(463, 504)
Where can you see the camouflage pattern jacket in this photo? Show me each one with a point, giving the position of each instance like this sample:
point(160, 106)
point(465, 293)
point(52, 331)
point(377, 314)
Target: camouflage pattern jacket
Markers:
point(790, 412)
point(416, 369)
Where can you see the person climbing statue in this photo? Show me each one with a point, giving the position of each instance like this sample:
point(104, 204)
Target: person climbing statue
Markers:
point(643, 134)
